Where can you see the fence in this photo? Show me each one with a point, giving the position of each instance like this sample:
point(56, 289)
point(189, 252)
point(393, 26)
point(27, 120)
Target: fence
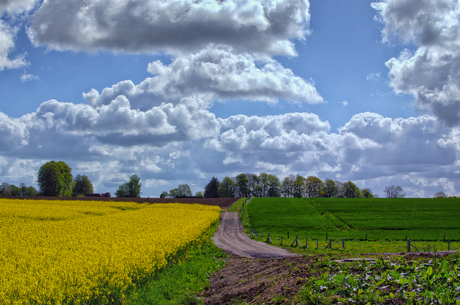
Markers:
point(364, 246)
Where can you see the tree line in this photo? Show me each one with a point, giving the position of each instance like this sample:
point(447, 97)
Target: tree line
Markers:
point(55, 179)
point(267, 185)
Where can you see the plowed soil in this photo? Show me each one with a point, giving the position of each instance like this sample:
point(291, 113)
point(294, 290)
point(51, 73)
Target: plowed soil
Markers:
point(258, 281)
point(221, 202)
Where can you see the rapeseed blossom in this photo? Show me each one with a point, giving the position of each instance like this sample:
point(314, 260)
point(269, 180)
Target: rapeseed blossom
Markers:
point(58, 252)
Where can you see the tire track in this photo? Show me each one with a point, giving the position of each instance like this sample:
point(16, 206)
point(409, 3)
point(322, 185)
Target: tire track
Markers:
point(230, 237)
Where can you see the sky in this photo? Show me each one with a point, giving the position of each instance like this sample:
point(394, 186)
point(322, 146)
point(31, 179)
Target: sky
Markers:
point(180, 91)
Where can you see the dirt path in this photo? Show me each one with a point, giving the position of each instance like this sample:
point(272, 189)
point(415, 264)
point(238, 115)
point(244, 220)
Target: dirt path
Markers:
point(231, 237)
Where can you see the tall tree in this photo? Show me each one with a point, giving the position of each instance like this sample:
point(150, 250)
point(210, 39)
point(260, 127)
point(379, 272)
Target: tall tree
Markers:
point(55, 179)
point(263, 184)
point(254, 185)
point(184, 191)
point(212, 188)
point(351, 190)
point(274, 186)
point(330, 188)
point(242, 183)
point(367, 193)
point(130, 189)
point(82, 185)
point(164, 194)
point(299, 186)
point(394, 192)
point(313, 186)
point(227, 188)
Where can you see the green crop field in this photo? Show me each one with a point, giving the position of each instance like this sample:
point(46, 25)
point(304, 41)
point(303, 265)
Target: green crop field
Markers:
point(357, 218)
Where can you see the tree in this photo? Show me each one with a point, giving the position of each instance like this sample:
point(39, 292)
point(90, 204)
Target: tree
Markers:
point(330, 188)
point(227, 188)
point(263, 180)
point(183, 190)
point(299, 186)
point(130, 189)
point(242, 183)
point(5, 189)
point(199, 194)
point(274, 186)
point(367, 193)
point(313, 186)
point(254, 188)
point(82, 185)
point(174, 193)
point(440, 195)
point(212, 188)
point(164, 194)
point(351, 190)
point(15, 191)
point(30, 191)
point(55, 179)
point(394, 191)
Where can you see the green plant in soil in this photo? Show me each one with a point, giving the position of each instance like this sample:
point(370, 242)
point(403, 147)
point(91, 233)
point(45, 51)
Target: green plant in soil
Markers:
point(396, 281)
point(184, 276)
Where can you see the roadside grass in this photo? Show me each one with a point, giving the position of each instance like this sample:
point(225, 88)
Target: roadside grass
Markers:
point(185, 275)
point(237, 205)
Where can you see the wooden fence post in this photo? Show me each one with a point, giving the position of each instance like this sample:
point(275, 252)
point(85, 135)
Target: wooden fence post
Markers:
point(306, 242)
point(281, 239)
point(408, 245)
point(317, 244)
point(343, 243)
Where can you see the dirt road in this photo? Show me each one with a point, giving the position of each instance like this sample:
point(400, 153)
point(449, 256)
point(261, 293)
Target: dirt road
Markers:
point(231, 237)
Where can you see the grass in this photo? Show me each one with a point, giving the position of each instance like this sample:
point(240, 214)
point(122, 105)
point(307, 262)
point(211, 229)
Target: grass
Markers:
point(237, 205)
point(360, 219)
point(184, 276)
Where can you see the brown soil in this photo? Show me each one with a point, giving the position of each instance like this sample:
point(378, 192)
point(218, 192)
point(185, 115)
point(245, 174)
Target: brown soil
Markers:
point(231, 238)
point(258, 281)
point(221, 202)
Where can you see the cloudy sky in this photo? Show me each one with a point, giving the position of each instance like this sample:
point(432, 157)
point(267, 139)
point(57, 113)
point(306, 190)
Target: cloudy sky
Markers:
point(180, 91)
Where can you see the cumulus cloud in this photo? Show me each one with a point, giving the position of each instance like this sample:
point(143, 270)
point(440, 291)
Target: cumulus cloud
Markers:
point(11, 9)
point(7, 35)
point(214, 73)
point(431, 73)
point(175, 26)
point(185, 142)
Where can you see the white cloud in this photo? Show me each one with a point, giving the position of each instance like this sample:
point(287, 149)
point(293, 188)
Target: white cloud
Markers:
point(175, 26)
point(29, 77)
point(214, 73)
point(7, 35)
point(344, 103)
point(185, 143)
point(431, 73)
point(373, 76)
point(12, 10)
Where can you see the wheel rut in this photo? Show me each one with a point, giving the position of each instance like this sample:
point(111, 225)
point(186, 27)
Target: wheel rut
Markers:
point(230, 237)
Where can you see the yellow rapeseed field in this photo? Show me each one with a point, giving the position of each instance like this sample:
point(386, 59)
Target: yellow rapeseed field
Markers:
point(60, 252)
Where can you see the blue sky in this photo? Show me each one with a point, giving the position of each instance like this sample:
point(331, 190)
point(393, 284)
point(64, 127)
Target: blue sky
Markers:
point(183, 91)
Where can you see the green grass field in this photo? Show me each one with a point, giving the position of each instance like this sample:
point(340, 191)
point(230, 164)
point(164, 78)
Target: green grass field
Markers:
point(379, 219)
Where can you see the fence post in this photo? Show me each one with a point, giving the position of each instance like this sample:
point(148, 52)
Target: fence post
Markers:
point(317, 244)
point(343, 243)
point(408, 245)
point(269, 240)
point(281, 239)
point(306, 242)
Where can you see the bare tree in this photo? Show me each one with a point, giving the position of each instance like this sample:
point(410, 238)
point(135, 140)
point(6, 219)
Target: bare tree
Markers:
point(440, 195)
point(394, 191)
